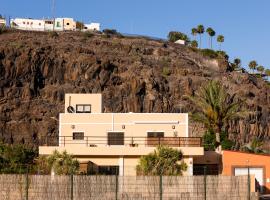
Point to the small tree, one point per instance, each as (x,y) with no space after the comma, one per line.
(267,72)
(253,65)
(220,40)
(200,30)
(194,43)
(61,163)
(173,36)
(79,25)
(260,69)
(163,161)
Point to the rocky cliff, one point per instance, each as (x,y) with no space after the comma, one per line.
(133,75)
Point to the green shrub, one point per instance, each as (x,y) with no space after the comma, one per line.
(110,31)
(53,34)
(166,71)
(88,34)
(209,53)
(174,36)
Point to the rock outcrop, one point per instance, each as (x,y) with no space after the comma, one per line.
(133,75)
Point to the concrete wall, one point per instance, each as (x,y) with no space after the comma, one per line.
(92,26)
(28,24)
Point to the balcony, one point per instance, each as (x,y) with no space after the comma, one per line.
(98,141)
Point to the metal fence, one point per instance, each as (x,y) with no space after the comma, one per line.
(81,187)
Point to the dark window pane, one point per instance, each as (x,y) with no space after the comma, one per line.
(78,135)
(115,138)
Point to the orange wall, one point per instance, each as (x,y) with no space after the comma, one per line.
(232,159)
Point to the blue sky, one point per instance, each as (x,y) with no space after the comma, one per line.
(244,23)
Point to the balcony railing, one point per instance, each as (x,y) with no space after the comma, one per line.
(96,141)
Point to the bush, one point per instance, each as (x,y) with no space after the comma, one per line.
(3,29)
(110,31)
(53,34)
(174,36)
(88,34)
(209,53)
(166,71)
(194,44)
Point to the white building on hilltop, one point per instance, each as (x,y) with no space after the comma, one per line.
(2,21)
(58,24)
(92,27)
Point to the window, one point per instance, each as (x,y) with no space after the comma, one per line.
(155,134)
(39,24)
(31,23)
(83,108)
(27,23)
(67,24)
(58,24)
(155,138)
(78,135)
(115,138)
(23,22)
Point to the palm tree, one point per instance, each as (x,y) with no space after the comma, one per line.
(214,107)
(260,69)
(220,39)
(252,65)
(200,30)
(211,34)
(236,63)
(194,32)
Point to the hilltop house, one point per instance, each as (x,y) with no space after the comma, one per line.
(112,143)
(58,24)
(92,26)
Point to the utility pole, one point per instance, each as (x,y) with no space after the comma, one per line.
(53,12)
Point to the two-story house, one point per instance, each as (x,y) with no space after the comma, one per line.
(112,143)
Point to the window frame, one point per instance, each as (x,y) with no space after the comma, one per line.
(83,105)
(78,132)
(114,143)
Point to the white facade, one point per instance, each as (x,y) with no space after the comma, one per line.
(92,27)
(27,24)
(58,24)
(183,42)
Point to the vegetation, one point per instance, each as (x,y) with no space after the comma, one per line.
(260,69)
(163,161)
(173,36)
(79,25)
(59,163)
(255,146)
(253,65)
(53,34)
(194,43)
(209,141)
(215,107)
(110,31)
(211,34)
(220,40)
(88,34)
(236,63)
(166,71)
(194,32)
(267,72)
(200,31)
(16,158)
(209,53)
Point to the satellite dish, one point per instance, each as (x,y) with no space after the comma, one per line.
(70,109)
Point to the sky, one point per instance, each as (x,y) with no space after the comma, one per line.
(244,23)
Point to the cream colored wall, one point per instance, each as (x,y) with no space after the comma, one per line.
(72,24)
(135,125)
(94,99)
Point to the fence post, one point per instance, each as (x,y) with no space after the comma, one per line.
(116,187)
(160,187)
(248,184)
(26,183)
(71,186)
(204,181)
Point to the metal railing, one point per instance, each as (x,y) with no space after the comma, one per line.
(95,141)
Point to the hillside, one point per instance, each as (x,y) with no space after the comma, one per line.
(133,75)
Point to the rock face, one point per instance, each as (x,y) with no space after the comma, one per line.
(133,75)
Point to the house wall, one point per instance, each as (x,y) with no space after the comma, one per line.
(233,159)
(92,26)
(73,99)
(69,24)
(2,22)
(28,24)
